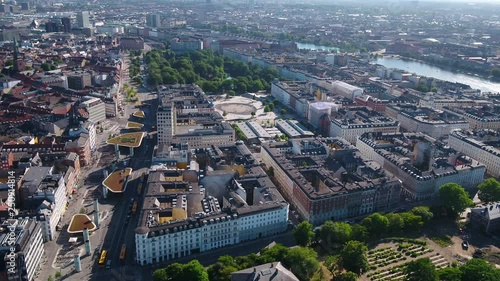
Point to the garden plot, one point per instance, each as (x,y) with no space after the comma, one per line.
(389,263)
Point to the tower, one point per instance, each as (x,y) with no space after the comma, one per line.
(153,20)
(83,19)
(66,24)
(16,56)
(167,122)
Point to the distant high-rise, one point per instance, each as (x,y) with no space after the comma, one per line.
(66,23)
(53,26)
(153,20)
(83,19)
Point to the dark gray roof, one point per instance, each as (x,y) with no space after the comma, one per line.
(264,272)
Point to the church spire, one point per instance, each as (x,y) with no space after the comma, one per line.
(16,56)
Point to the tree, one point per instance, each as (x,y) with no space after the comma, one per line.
(359,232)
(304,233)
(267,108)
(174,271)
(50,278)
(353,257)
(57,275)
(276,253)
(421,270)
(270,172)
(303,262)
(422,88)
(396,222)
(412,221)
(454,198)
(192,270)
(347,276)
(283,111)
(479,270)
(450,274)
(253,113)
(335,232)
(45,66)
(424,212)
(221,271)
(160,275)
(495,72)
(376,224)
(489,190)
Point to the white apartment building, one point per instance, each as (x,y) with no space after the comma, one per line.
(178,239)
(481,123)
(86,128)
(346,90)
(96,109)
(350,132)
(435,128)
(175,240)
(28,244)
(440,103)
(40,184)
(254,224)
(465,142)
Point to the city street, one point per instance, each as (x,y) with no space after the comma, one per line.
(117,223)
(59,254)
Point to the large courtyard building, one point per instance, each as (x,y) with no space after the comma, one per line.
(351,122)
(435,123)
(482,145)
(328,179)
(185,115)
(179,217)
(296,95)
(422,163)
(481,117)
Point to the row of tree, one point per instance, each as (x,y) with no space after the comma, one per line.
(375,226)
(303,262)
(472,270)
(214,73)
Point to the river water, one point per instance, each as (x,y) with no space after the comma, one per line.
(424,69)
(312,47)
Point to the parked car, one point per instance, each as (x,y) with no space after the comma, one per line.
(465,245)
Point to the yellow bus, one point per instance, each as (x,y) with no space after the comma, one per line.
(134,207)
(102,259)
(123,252)
(139,189)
